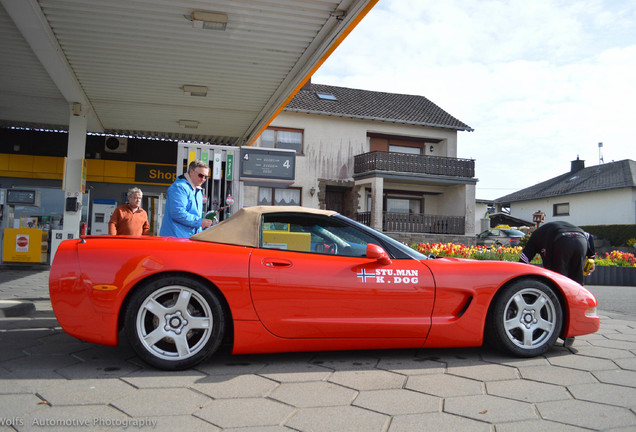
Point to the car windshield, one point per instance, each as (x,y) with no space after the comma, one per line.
(514,233)
(389,243)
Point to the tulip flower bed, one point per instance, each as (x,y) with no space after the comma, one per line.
(474,252)
(615,258)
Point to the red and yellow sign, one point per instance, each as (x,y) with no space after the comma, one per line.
(22,245)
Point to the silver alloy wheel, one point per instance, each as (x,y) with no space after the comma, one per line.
(530,318)
(174,322)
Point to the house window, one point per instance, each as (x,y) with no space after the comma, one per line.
(562,209)
(291,139)
(405,149)
(404,205)
(276,196)
(396,204)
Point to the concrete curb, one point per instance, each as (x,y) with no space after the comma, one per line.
(16,308)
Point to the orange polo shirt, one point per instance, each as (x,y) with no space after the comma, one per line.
(126,222)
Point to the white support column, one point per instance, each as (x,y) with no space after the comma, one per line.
(377,194)
(74,164)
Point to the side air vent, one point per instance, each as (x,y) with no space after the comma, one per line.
(465,308)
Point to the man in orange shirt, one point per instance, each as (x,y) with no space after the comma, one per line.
(130,218)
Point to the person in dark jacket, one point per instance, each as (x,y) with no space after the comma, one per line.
(563,247)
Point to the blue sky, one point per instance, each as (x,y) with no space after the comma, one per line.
(540,81)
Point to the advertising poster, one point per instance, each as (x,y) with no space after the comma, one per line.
(28,222)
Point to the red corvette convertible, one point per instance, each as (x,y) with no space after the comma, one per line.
(274,279)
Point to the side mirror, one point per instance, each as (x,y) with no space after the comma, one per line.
(377,253)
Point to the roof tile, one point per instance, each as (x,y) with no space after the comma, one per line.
(612,175)
(372,105)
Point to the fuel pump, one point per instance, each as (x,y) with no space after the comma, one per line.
(223,178)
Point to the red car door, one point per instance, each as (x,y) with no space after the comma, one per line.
(308,295)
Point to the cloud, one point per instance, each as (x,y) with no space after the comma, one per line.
(541,82)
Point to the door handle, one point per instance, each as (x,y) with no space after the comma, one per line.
(276,262)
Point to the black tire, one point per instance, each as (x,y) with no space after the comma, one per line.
(174,323)
(526,319)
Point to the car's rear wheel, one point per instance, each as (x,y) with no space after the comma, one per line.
(526,319)
(174,323)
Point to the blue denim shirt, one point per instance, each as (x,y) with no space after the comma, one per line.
(184,206)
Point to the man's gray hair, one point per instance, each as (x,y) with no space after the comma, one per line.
(134,190)
(198,163)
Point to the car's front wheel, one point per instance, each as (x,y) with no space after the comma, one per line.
(526,319)
(174,323)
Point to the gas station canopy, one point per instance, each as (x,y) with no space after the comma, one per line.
(209,70)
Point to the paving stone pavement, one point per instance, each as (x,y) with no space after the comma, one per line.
(51,381)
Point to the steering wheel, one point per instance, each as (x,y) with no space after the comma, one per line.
(331,248)
(326,248)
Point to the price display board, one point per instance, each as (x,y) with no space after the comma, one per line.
(21,197)
(268,164)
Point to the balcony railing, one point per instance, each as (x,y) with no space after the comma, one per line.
(410,163)
(416,223)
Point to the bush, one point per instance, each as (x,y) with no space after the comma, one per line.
(617,235)
(523,241)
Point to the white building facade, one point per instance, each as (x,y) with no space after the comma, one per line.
(597,195)
(401,177)
(608,207)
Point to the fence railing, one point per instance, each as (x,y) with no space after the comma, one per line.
(409,163)
(416,223)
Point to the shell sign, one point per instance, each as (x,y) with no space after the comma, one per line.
(22,243)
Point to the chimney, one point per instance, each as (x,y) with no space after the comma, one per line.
(307,85)
(577,165)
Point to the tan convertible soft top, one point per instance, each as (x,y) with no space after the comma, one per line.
(243,227)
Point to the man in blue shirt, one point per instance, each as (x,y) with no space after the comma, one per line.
(184,204)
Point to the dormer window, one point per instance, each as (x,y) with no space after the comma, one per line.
(326,96)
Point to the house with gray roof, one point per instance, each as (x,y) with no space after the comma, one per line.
(604,194)
(387,160)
